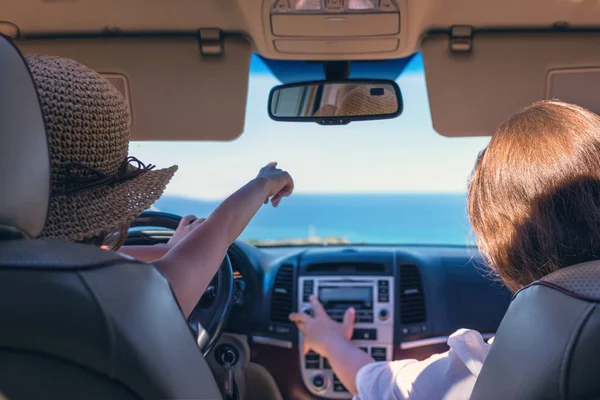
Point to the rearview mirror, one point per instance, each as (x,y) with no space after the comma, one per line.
(335,103)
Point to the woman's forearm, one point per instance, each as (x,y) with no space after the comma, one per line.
(346,360)
(145,253)
(191,263)
(237,210)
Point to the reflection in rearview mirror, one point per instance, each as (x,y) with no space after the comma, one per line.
(335,102)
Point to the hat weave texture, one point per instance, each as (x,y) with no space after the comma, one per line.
(88,127)
(359,101)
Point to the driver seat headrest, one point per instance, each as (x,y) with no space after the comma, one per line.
(24,157)
(547,345)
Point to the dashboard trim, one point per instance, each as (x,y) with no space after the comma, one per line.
(412,344)
(286,344)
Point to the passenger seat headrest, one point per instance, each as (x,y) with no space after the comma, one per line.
(24,157)
(581,281)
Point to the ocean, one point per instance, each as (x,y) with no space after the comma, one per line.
(359,218)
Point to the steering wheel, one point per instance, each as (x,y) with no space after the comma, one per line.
(207,321)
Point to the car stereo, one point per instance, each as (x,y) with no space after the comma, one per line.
(372,298)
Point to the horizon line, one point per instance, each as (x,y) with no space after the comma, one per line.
(189,197)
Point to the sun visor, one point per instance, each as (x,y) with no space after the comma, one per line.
(174,92)
(471,93)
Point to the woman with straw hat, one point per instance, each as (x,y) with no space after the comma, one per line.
(98,189)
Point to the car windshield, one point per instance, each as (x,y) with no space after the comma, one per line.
(391,181)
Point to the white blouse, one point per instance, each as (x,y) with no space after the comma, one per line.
(450,375)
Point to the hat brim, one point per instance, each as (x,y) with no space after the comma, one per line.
(104,210)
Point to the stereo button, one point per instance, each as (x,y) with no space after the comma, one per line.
(307,290)
(312,360)
(318,381)
(383,293)
(383,297)
(337,385)
(364,334)
(312,365)
(364,316)
(384,315)
(379,353)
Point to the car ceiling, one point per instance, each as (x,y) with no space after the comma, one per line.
(503,53)
(252,19)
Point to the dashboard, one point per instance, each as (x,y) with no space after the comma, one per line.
(408,300)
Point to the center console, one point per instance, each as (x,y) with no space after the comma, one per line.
(372,297)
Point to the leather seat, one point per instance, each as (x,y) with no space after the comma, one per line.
(548,344)
(76,322)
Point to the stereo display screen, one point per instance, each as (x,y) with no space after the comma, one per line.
(346,294)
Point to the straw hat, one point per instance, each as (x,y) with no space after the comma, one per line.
(96,188)
(327,110)
(359,101)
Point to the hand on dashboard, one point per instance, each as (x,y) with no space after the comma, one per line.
(279,183)
(320,331)
(186,225)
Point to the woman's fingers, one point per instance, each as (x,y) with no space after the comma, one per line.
(317,307)
(188,219)
(305,348)
(289,188)
(275,200)
(285,192)
(299,318)
(198,221)
(348,323)
(269,166)
(349,316)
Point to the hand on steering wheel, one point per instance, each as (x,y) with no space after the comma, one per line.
(185,226)
(207,321)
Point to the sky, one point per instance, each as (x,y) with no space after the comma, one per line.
(401,155)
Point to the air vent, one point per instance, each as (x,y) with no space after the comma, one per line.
(282,296)
(412,299)
(346,267)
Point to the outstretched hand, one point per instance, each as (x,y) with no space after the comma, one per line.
(199,246)
(320,331)
(279,183)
